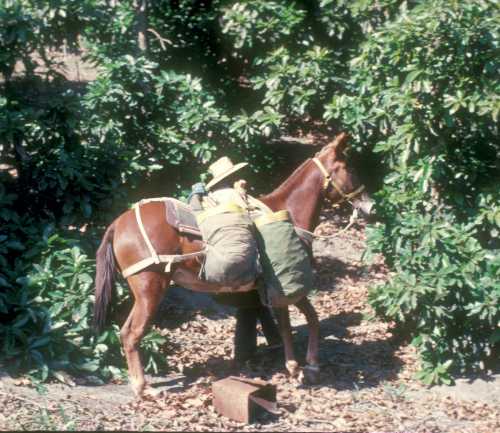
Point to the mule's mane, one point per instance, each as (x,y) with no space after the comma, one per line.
(290,180)
(287,183)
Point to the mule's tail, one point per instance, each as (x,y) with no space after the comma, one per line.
(105,278)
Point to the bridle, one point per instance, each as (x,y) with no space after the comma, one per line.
(328,180)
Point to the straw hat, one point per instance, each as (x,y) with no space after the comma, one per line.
(221,169)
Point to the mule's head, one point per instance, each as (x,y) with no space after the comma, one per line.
(341,183)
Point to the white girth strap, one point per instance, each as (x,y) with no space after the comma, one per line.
(154,256)
(169,259)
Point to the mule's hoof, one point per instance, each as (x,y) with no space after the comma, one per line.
(139,388)
(310,375)
(293,368)
(150,393)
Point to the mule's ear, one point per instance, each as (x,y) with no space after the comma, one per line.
(340,142)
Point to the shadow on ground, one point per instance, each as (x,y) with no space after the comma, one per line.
(329,271)
(345,365)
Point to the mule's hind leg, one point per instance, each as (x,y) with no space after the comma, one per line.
(285,328)
(311,370)
(148,289)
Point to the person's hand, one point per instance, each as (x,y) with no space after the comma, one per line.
(240,185)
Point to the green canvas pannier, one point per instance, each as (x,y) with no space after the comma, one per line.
(284,259)
(231,250)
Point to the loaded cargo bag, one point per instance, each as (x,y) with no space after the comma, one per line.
(231,249)
(286,264)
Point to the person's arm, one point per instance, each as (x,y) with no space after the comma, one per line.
(240,187)
(195,199)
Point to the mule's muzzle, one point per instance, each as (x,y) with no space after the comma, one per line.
(365,205)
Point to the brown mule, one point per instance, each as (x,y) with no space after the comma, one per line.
(302,194)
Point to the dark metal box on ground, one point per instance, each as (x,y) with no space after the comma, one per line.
(243,399)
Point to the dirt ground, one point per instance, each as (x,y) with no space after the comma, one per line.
(367,376)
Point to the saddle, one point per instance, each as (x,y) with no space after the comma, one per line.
(180,216)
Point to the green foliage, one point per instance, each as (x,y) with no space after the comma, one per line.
(46,327)
(413,81)
(295,53)
(343,18)
(295,85)
(31,27)
(188,29)
(17,37)
(423,94)
(150,119)
(260,22)
(69,186)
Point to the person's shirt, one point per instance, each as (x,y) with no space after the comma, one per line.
(227,195)
(254,207)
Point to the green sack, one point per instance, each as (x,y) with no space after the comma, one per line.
(284,259)
(231,257)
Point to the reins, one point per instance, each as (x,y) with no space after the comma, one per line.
(352,220)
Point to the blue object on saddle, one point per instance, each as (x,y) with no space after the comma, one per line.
(197,188)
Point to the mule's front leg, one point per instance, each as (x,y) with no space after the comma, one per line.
(311,370)
(286,334)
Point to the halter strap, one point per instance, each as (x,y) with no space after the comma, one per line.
(329,181)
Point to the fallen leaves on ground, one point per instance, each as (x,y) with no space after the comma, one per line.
(367,377)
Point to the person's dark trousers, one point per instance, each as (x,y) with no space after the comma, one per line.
(269,328)
(249,311)
(245,338)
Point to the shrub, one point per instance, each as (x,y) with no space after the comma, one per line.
(261,23)
(150,119)
(295,85)
(47,314)
(423,95)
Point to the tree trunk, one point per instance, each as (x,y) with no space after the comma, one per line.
(141,11)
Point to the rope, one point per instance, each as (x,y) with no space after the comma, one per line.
(352,220)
